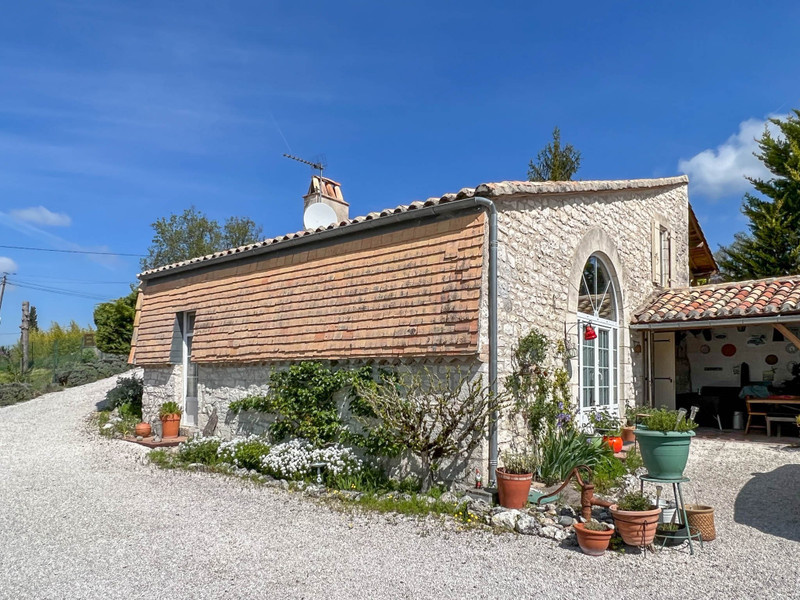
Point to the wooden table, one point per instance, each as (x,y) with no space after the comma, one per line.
(790,402)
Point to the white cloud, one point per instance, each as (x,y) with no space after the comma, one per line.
(7,265)
(714,173)
(39,215)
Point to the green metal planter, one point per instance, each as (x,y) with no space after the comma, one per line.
(664,453)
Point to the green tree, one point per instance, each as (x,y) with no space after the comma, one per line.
(554,162)
(192,234)
(114,322)
(771,247)
(33,319)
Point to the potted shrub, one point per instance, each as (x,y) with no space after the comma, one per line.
(636,519)
(609,427)
(593,537)
(664,443)
(170,414)
(514,479)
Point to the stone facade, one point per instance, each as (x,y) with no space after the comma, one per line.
(162,384)
(544,243)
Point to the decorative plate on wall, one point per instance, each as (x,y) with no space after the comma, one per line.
(771,359)
(791,348)
(705,349)
(728,350)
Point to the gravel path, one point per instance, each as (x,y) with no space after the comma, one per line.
(84,517)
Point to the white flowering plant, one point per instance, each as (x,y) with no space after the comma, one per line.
(293,460)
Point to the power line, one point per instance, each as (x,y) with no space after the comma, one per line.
(51,290)
(80,281)
(71,251)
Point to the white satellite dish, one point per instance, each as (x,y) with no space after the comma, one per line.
(318,215)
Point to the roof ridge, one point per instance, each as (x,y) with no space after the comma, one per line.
(494,190)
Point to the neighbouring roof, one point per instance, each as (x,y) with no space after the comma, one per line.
(489,190)
(701,258)
(758,298)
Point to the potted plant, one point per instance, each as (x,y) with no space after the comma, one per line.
(636,519)
(593,537)
(626,433)
(664,444)
(671,534)
(609,427)
(514,479)
(170,414)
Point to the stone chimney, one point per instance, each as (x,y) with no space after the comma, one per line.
(329,192)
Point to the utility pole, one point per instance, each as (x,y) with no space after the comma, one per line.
(2,291)
(24,327)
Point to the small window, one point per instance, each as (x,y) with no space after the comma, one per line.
(664,254)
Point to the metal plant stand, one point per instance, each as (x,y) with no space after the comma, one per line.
(679,506)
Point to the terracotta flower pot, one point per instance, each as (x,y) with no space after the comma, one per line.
(171,426)
(614,442)
(142,429)
(627,434)
(513,488)
(637,527)
(593,543)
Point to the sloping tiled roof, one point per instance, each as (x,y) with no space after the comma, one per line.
(758,298)
(489,190)
(701,259)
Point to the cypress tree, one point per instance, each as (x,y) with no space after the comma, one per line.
(771,247)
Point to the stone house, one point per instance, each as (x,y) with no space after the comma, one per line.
(419,284)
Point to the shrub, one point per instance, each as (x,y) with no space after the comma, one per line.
(82,373)
(11,393)
(199,450)
(435,416)
(245,453)
(302,398)
(293,460)
(128,390)
(635,501)
(608,473)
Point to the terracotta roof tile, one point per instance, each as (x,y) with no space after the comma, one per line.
(765,297)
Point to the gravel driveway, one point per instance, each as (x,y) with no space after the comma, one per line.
(85,517)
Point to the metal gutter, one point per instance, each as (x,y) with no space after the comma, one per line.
(493,443)
(722,322)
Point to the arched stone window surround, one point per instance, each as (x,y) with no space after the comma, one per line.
(597,243)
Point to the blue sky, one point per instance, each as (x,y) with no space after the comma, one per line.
(115,114)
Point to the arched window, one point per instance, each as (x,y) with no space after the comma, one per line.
(598,332)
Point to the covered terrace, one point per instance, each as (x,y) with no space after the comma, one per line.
(716,345)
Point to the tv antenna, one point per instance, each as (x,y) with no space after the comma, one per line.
(319,165)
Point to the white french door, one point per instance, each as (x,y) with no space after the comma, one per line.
(598,368)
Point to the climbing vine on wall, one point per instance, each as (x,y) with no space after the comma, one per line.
(303,399)
(539,385)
